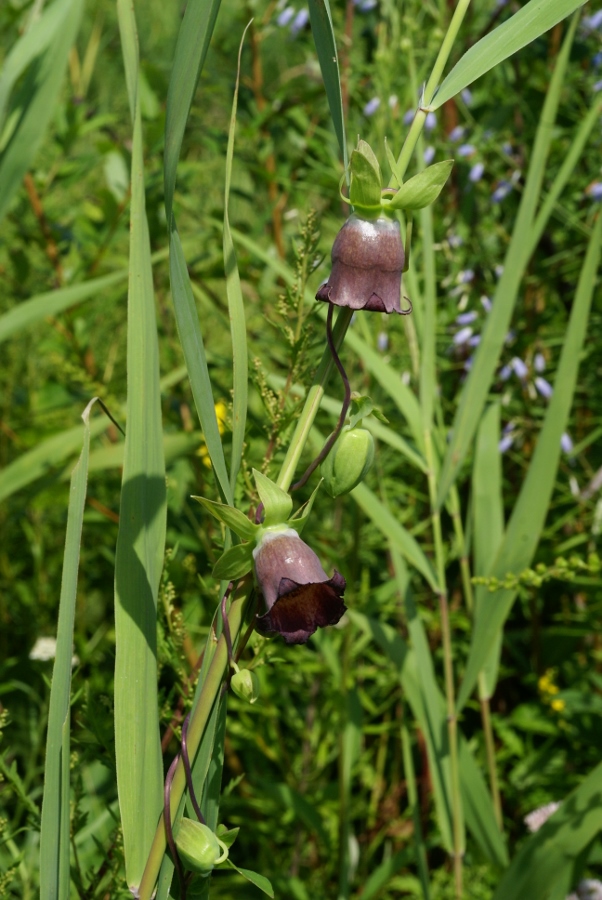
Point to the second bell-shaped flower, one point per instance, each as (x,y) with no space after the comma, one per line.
(299,596)
(367,263)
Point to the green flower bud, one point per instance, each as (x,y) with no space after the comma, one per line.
(199,848)
(245,685)
(349,461)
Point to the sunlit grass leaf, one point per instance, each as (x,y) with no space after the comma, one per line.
(480,377)
(37,95)
(142,522)
(55,841)
(236,307)
(529,514)
(532,20)
(326,48)
(547,860)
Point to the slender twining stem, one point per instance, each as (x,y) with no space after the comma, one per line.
(312,402)
(198,721)
(452,722)
(226,625)
(188,772)
(454,506)
(331,440)
(168,829)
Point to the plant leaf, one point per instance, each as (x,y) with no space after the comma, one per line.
(424,188)
(277,503)
(231,517)
(259,881)
(234,563)
(531,21)
(326,48)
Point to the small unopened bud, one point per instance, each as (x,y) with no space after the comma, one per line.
(349,461)
(245,685)
(198,847)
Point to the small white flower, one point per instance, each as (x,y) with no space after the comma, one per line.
(43,649)
(539,362)
(566,443)
(519,367)
(540,816)
(462,336)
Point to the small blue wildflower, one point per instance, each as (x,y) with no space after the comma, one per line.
(486,303)
(507,148)
(466,318)
(465,276)
(429,155)
(594,190)
(456,134)
(462,336)
(371,106)
(597,87)
(366,5)
(519,367)
(467,96)
(506,372)
(430,121)
(597,60)
(476,173)
(454,240)
(300,21)
(505,443)
(466,150)
(382,341)
(593,22)
(544,387)
(468,362)
(408,117)
(475,340)
(539,362)
(285,16)
(501,191)
(566,443)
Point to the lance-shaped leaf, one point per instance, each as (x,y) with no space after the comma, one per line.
(277,503)
(366,179)
(234,563)
(233,518)
(424,188)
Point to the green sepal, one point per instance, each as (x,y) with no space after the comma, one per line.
(366,178)
(198,847)
(393,164)
(422,189)
(302,515)
(277,503)
(361,407)
(234,563)
(259,881)
(245,685)
(227,835)
(233,518)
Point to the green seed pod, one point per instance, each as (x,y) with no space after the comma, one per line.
(349,461)
(245,685)
(198,847)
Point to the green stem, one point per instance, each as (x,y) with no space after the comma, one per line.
(452,722)
(408,765)
(198,721)
(312,403)
(429,91)
(454,507)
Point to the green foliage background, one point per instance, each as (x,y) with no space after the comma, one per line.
(335,703)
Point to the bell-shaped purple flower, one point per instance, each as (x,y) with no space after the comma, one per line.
(298,594)
(367,262)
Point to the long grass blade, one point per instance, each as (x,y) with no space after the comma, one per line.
(529,514)
(531,21)
(38,93)
(546,862)
(191,50)
(236,308)
(142,522)
(481,374)
(326,48)
(55,841)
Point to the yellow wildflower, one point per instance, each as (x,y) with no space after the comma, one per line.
(221,413)
(558,705)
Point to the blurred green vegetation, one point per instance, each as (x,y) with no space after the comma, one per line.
(69,222)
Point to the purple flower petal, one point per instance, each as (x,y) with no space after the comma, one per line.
(544,387)
(429,154)
(476,173)
(466,150)
(467,96)
(371,106)
(430,122)
(300,21)
(566,443)
(594,190)
(466,318)
(475,340)
(539,362)
(486,303)
(501,191)
(506,372)
(462,336)
(456,134)
(408,117)
(285,16)
(505,443)
(382,341)
(519,367)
